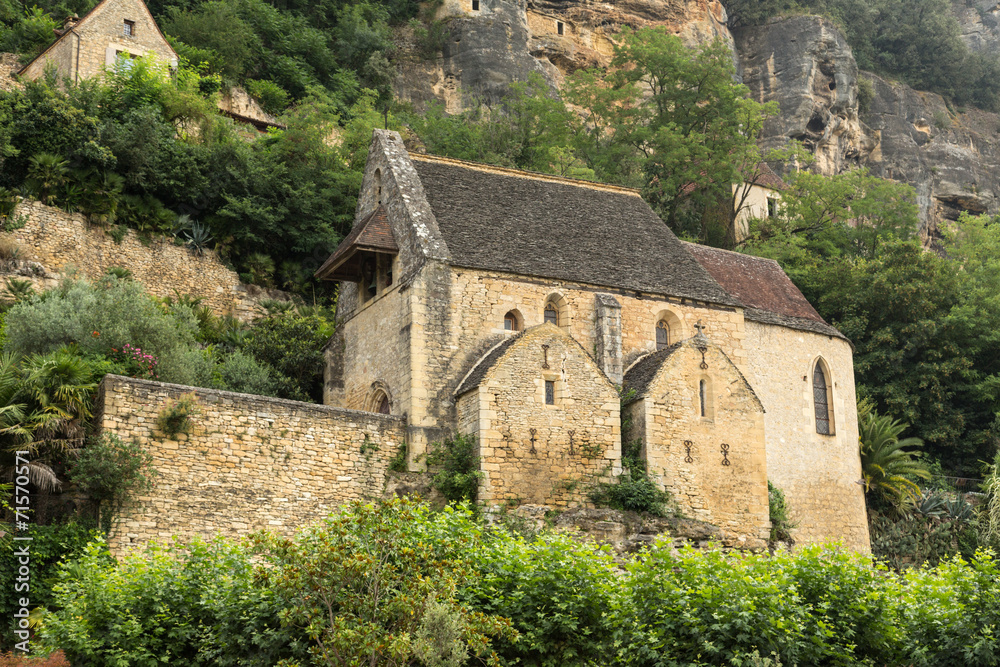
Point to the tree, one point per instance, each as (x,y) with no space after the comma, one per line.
(885,463)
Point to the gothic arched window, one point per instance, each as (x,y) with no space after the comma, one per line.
(821,401)
(512,321)
(662,335)
(551,314)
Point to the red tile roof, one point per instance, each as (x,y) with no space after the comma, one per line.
(757,282)
(373,234)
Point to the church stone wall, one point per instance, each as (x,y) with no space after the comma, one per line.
(734,496)
(576,441)
(249,462)
(817,473)
(66,243)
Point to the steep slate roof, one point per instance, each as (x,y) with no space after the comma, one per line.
(550,227)
(767,292)
(483,366)
(642,372)
(373,233)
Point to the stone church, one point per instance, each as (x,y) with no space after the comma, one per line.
(512,306)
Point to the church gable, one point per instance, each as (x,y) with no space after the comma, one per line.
(545,416)
(701,426)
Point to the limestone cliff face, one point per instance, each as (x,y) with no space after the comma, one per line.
(953,161)
(980,22)
(503,41)
(805,65)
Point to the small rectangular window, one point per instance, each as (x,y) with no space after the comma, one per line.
(129,28)
(772,207)
(559,27)
(550,392)
(475,5)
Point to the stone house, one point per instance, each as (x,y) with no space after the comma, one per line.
(757,198)
(508,305)
(111,31)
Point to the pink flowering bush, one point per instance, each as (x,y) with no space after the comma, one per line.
(136,363)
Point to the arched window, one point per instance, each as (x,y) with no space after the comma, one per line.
(551,314)
(378,399)
(821,401)
(706,408)
(702,398)
(378,186)
(512,321)
(662,335)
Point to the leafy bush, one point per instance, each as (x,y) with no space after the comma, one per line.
(634,490)
(712,607)
(112,473)
(291,345)
(458,461)
(51,546)
(561,596)
(913,539)
(242,373)
(174,417)
(103,318)
(374,583)
(781,522)
(196,604)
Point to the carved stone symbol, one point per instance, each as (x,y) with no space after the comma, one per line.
(571,434)
(687,447)
(545,349)
(700,327)
(703,364)
(534,432)
(725,455)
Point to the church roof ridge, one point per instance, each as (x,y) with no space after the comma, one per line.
(523,173)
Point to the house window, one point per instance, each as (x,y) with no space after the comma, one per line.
(662,335)
(387,270)
(821,401)
(559,27)
(703,397)
(772,207)
(550,392)
(129,28)
(475,5)
(511,322)
(551,314)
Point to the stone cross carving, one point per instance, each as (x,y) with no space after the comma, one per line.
(700,327)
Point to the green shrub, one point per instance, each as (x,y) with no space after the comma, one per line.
(270,95)
(913,539)
(242,373)
(174,417)
(196,604)
(634,490)
(50,546)
(781,522)
(458,461)
(292,345)
(112,473)
(105,316)
(561,596)
(371,584)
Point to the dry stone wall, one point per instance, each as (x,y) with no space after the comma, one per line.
(248,463)
(65,243)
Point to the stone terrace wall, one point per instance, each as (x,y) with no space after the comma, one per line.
(249,462)
(62,242)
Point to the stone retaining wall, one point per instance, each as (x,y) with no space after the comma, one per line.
(65,243)
(248,463)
